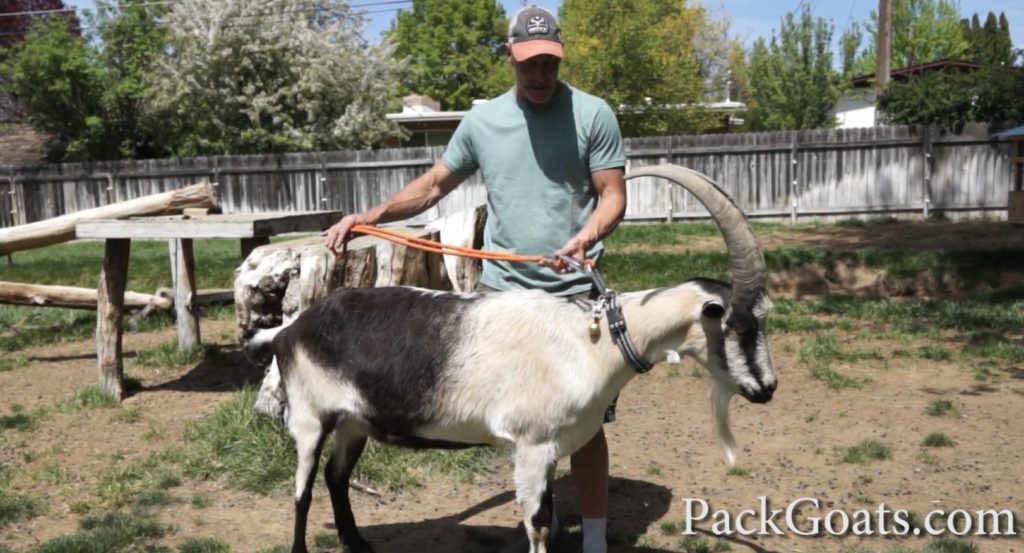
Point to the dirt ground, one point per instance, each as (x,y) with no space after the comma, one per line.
(663,451)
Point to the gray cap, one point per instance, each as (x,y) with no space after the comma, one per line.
(534,31)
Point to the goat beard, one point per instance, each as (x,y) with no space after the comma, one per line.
(720,396)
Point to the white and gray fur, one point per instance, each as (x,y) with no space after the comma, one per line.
(428,369)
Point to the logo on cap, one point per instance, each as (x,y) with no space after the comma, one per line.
(537,25)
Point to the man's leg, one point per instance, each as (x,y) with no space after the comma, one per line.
(590,475)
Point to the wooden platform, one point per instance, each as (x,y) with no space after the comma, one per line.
(236,225)
(252,229)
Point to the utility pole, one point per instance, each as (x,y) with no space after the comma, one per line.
(884,44)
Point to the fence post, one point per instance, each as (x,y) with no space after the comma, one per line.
(321,182)
(795,181)
(926,190)
(668,185)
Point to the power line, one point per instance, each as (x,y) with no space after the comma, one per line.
(166,2)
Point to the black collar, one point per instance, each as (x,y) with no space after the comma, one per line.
(613,312)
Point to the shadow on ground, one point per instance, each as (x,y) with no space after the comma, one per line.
(642,504)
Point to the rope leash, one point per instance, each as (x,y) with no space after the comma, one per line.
(607,301)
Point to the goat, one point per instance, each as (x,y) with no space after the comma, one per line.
(437,369)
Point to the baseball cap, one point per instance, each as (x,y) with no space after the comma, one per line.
(534,31)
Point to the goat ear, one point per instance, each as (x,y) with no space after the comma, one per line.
(712,309)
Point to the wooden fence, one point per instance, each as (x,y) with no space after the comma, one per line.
(788,174)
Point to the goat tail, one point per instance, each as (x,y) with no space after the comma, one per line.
(720,396)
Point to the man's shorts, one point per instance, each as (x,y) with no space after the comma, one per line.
(609,412)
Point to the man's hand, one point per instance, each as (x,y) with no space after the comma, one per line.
(577,247)
(337,235)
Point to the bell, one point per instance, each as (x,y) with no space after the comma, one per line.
(595,329)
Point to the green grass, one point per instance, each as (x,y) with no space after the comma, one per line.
(116,531)
(254,453)
(169,355)
(12,363)
(942,408)
(738,471)
(15,506)
(201,501)
(931,353)
(820,351)
(87,398)
(950,545)
(938,439)
(79,264)
(203,545)
(865,451)
(142,482)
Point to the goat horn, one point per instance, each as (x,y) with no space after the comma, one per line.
(746,261)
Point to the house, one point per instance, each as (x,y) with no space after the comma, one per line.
(427,125)
(857,107)
(425,122)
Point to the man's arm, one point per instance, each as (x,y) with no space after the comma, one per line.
(419,195)
(611,208)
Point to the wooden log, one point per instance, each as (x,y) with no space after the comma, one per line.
(465,229)
(19,293)
(62,229)
(110,315)
(279,281)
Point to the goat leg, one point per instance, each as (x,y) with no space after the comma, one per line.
(534,473)
(347,451)
(309,442)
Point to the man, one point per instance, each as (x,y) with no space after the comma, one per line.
(552,162)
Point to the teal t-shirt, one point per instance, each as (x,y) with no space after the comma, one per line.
(536,163)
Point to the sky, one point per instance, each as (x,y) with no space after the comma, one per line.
(750,18)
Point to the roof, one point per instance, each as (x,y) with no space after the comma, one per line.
(23,145)
(422,113)
(904,73)
(1016,132)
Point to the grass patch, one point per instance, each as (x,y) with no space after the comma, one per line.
(865,451)
(948,544)
(201,501)
(79,265)
(931,353)
(254,453)
(203,545)
(169,355)
(833,379)
(117,531)
(938,439)
(15,506)
(698,544)
(143,482)
(129,415)
(941,408)
(86,398)
(12,363)
(738,471)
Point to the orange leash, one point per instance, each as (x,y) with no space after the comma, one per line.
(446,249)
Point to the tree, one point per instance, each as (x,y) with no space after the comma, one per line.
(248,76)
(57,80)
(455,50)
(14,28)
(922,31)
(952,98)
(93,95)
(989,43)
(649,59)
(792,84)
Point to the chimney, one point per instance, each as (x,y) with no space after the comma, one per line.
(422,101)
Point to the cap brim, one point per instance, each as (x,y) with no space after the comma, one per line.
(525,50)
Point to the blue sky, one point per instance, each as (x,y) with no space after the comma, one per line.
(750,18)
